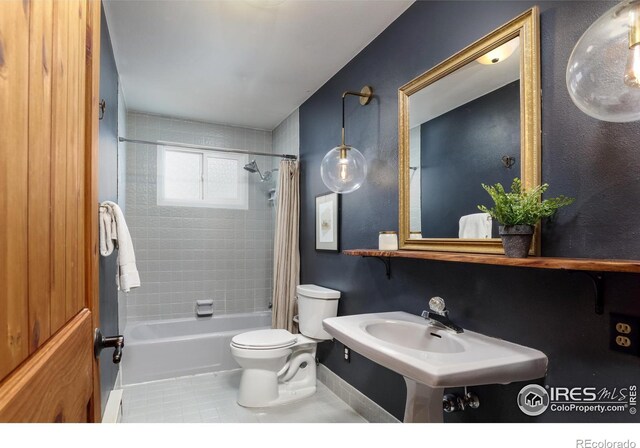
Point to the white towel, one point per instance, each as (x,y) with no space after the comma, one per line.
(114,233)
(476,226)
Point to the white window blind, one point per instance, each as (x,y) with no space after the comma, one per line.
(182,175)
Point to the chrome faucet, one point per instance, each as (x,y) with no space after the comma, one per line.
(439,315)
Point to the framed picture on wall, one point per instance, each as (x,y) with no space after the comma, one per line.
(328,222)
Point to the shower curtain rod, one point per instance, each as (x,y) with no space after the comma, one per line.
(208,148)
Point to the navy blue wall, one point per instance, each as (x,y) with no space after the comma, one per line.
(596,162)
(108,191)
(461,150)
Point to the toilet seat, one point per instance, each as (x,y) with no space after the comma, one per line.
(264,339)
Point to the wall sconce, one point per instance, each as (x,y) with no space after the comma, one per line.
(344,168)
(603,73)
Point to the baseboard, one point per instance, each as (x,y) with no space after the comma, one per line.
(113,409)
(360,403)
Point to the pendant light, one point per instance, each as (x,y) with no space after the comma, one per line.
(603,73)
(344,168)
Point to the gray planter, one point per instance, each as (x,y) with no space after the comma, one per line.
(516,240)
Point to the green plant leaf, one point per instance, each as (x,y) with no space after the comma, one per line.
(519,206)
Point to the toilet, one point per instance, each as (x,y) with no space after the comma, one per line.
(280,367)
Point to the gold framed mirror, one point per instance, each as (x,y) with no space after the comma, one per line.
(472,119)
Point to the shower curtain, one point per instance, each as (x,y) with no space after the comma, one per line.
(286,252)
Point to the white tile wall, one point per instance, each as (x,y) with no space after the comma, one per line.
(286,136)
(185,254)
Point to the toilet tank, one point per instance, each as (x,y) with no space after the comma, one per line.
(316,303)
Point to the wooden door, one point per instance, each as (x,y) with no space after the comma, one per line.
(49,68)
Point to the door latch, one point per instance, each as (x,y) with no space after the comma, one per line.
(100,342)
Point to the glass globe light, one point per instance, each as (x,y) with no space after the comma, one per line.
(603,73)
(343,169)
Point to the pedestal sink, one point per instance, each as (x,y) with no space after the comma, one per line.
(431,358)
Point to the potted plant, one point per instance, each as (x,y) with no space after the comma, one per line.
(518,212)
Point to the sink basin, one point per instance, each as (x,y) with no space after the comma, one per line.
(414,336)
(432,358)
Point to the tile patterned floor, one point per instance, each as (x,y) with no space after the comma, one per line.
(211,398)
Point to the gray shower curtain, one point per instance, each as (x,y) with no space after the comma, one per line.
(286,252)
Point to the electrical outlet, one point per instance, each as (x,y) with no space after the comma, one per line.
(623,328)
(623,341)
(624,333)
(347,354)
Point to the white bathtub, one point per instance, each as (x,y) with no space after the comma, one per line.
(161,349)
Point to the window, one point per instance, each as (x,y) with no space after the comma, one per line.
(194,178)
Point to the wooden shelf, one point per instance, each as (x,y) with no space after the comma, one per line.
(572,264)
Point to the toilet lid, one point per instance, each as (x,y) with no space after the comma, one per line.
(263,339)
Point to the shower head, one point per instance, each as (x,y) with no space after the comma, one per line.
(252,167)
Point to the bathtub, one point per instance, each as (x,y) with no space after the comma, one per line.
(161,349)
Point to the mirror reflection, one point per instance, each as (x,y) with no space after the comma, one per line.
(464,130)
